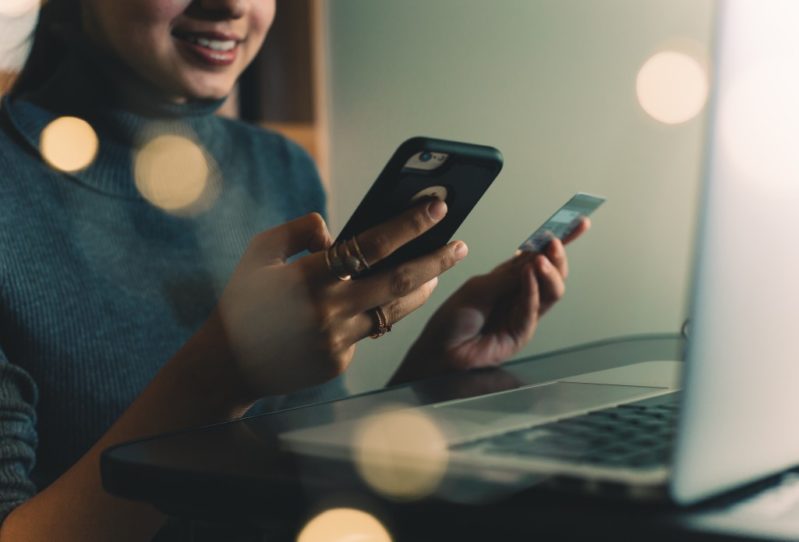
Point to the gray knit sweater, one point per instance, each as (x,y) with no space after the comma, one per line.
(98,287)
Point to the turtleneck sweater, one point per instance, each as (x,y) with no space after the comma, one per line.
(98,286)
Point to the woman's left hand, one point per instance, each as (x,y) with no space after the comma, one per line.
(491,317)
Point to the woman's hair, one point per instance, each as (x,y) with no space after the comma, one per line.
(48,48)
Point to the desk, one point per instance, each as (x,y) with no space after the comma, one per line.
(236,473)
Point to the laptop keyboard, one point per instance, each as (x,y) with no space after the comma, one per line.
(634,435)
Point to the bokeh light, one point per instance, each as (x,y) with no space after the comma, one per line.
(69,144)
(672,87)
(172,173)
(401,453)
(17,8)
(344,525)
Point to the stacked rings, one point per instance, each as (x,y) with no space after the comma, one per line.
(383,326)
(335,264)
(346,259)
(356,248)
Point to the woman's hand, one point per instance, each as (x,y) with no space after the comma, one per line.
(293,325)
(491,317)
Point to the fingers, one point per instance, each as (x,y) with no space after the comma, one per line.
(551,283)
(584,226)
(364,323)
(556,254)
(399,282)
(526,311)
(381,241)
(273,246)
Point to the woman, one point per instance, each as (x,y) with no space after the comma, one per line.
(121,320)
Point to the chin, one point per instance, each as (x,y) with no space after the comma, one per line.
(215,95)
(205,86)
(207,92)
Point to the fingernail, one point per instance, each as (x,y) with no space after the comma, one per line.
(460,250)
(437,209)
(433,282)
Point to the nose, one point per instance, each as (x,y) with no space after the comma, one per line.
(218,9)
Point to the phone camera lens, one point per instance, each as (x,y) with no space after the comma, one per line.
(425,156)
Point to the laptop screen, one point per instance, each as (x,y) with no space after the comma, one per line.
(741,388)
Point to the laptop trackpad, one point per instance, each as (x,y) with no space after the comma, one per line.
(523,407)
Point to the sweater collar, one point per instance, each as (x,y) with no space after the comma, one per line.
(124,111)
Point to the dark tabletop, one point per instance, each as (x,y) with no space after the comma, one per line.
(237,472)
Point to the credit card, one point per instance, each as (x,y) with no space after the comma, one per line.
(563,222)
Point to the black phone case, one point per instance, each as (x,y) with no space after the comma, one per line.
(466,174)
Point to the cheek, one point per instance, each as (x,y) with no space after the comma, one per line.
(151,23)
(160,10)
(145,22)
(120,14)
(261,18)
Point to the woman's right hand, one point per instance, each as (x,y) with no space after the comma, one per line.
(294,325)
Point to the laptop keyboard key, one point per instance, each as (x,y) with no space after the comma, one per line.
(637,435)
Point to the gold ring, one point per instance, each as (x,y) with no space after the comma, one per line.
(345,259)
(358,253)
(349,259)
(334,263)
(383,326)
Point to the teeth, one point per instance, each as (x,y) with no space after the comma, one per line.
(214,45)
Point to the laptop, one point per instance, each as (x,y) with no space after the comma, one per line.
(727,416)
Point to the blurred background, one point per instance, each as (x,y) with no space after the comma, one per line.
(606,97)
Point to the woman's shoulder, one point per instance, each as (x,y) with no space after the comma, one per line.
(16,157)
(273,166)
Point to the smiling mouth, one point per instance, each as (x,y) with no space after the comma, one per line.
(209,49)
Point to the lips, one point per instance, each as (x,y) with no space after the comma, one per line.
(209,49)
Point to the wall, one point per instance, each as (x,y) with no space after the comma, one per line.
(551,84)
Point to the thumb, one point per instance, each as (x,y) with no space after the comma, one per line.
(274,246)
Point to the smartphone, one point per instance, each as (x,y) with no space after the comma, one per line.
(422,167)
(563,222)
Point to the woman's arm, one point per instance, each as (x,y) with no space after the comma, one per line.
(278,327)
(196,387)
